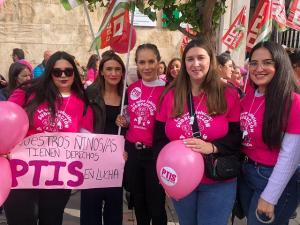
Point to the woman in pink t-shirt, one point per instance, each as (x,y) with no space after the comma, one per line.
(216,111)
(271,137)
(143,96)
(92,69)
(54,102)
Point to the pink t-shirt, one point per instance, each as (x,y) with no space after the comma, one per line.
(69,117)
(142,108)
(211,127)
(253,108)
(163,77)
(91,75)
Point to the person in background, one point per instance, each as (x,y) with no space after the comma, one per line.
(271,137)
(162,70)
(217,112)
(173,69)
(55,102)
(17,54)
(143,96)
(236,80)
(295,59)
(3,82)
(92,69)
(225,66)
(18,73)
(236,77)
(39,69)
(105,96)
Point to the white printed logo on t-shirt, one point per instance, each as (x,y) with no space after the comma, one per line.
(248,124)
(135,93)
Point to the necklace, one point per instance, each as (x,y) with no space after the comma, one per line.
(245,132)
(263,101)
(67,103)
(192,117)
(153,88)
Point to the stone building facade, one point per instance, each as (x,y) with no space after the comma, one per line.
(37,25)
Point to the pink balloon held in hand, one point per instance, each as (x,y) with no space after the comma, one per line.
(5,179)
(179,169)
(14,125)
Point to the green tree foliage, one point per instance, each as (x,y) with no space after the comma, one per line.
(203,15)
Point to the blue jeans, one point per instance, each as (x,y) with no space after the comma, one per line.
(298,182)
(252,184)
(208,204)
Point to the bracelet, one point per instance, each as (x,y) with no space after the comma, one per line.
(213,148)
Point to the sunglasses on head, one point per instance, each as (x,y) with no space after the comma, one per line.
(58,72)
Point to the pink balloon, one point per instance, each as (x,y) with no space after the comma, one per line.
(121,45)
(179,169)
(13,126)
(5,179)
(1,2)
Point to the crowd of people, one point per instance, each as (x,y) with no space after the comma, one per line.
(215,106)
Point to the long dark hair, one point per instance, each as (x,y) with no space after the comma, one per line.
(212,86)
(223,58)
(14,70)
(43,89)
(278,94)
(100,81)
(92,63)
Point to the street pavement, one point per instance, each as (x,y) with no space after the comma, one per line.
(72,213)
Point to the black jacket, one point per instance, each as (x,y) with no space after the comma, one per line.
(97,103)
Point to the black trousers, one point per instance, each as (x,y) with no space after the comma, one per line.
(148,194)
(36,206)
(92,202)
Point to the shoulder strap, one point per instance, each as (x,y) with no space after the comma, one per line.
(195,127)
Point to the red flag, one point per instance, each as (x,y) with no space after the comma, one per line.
(115,21)
(293,20)
(115,28)
(260,26)
(278,14)
(235,33)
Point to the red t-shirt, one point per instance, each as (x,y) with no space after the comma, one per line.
(253,108)
(69,116)
(142,108)
(211,127)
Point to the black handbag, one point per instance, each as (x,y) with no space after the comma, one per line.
(217,167)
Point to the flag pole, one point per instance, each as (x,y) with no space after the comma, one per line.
(127,60)
(90,24)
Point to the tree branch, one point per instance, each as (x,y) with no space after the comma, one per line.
(183,30)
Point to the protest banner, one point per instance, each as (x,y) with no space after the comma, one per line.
(68,161)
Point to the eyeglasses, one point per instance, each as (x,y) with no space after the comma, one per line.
(58,72)
(264,64)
